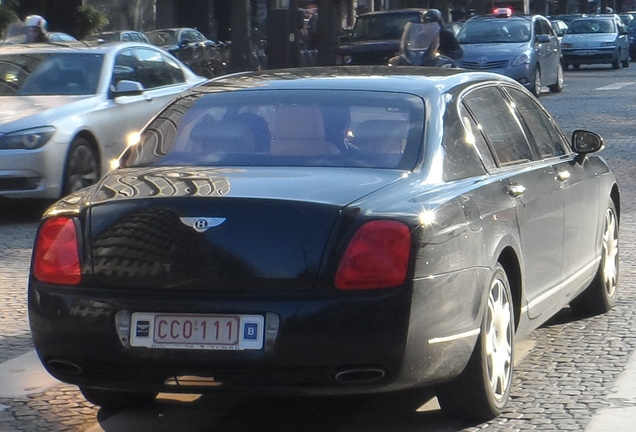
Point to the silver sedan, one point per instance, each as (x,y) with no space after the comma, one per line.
(66,111)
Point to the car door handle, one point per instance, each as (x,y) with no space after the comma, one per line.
(516,190)
(562,175)
(148,98)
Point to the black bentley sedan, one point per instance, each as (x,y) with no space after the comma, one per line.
(327,231)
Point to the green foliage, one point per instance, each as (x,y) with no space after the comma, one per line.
(7,16)
(88,20)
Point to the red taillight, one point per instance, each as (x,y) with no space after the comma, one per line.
(56,254)
(377,257)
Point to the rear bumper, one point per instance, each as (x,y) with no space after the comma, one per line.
(337,344)
(597,56)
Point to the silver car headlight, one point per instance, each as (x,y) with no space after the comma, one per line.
(27,139)
(522,58)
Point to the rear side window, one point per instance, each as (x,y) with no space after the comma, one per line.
(546,136)
(502,129)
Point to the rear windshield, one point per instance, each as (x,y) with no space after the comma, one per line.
(285,128)
(379,27)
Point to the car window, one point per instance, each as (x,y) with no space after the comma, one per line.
(462,158)
(545,135)
(126,37)
(147,66)
(500,125)
(271,128)
(584,26)
(49,74)
(494,31)
(475,137)
(543,27)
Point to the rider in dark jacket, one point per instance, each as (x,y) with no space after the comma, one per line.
(448,44)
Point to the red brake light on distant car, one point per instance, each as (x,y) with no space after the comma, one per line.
(377,257)
(56,255)
(502,12)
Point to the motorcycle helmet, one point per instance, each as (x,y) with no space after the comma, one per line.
(434,15)
(36,21)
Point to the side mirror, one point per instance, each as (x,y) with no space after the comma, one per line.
(127,88)
(584,142)
(543,38)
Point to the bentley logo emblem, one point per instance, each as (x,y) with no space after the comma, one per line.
(201,224)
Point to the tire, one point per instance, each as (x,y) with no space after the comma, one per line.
(482,390)
(617,64)
(535,89)
(82,166)
(600,296)
(625,63)
(115,399)
(557,87)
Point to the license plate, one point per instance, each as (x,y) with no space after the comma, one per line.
(586,53)
(203,332)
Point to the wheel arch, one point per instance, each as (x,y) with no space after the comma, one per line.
(509,259)
(615,196)
(92,140)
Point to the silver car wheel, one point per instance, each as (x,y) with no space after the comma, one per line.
(499,334)
(600,296)
(82,166)
(610,252)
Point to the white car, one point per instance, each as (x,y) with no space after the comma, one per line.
(67,111)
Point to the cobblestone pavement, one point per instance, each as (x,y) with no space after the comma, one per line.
(559,385)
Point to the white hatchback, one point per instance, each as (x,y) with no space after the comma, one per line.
(66,111)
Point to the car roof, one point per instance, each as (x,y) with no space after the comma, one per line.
(79,46)
(491,17)
(394,12)
(402,79)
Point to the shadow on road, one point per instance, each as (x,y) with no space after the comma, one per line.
(377,413)
(12,211)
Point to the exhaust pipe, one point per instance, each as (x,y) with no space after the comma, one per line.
(64,367)
(359,375)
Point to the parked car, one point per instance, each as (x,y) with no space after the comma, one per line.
(65,111)
(559,27)
(596,40)
(375,36)
(118,35)
(631,37)
(60,37)
(327,231)
(204,56)
(523,47)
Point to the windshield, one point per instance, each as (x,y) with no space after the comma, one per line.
(49,74)
(378,27)
(495,31)
(285,128)
(583,26)
(162,37)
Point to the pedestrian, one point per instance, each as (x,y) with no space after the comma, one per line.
(35,29)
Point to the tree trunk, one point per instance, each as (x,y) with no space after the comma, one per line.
(329,28)
(240,50)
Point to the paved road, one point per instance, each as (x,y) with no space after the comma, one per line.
(573,373)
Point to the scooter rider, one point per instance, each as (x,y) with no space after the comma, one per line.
(35,29)
(448,45)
